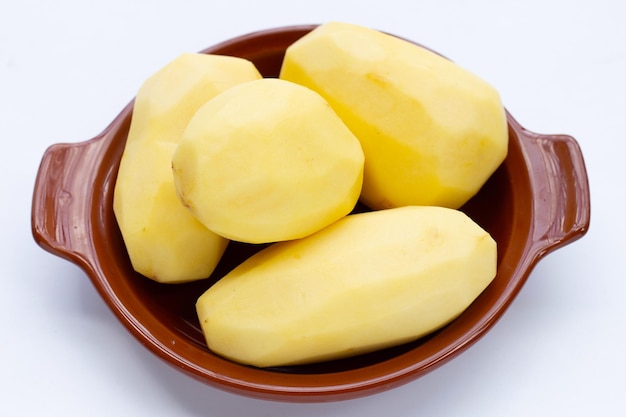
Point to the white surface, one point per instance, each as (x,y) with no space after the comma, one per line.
(68,67)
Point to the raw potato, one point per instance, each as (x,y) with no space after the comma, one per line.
(268,161)
(432,132)
(164,241)
(368,281)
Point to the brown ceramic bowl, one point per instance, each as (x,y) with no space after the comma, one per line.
(537,201)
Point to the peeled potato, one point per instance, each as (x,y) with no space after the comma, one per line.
(163,240)
(267,161)
(432,132)
(366,282)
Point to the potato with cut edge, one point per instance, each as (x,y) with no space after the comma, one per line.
(368,281)
(432,132)
(163,240)
(267,161)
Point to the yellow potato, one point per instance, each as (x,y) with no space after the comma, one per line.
(432,132)
(266,161)
(367,282)
(164,241)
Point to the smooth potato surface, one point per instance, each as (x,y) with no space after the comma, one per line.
(368,281)
(432,132)
(267,161)
(163,240)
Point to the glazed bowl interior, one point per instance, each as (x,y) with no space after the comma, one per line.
(163,316)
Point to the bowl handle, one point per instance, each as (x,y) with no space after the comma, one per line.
(561,200)
(61,208)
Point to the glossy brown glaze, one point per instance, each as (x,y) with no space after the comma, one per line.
(537,201)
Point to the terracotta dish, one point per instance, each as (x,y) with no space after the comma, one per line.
(536,202)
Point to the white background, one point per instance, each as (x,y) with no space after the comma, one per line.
(68,67)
